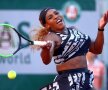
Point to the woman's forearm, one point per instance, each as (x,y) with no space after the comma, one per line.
(98,44)
(45,55)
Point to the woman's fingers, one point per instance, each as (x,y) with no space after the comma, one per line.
(48,45)
(106,17)
(103,21)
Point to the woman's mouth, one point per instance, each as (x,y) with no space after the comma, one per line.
(59,21)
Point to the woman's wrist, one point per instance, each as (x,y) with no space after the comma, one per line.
(99,29)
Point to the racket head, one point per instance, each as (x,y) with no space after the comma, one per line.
(9,40)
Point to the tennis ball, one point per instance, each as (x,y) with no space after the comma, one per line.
(11,74)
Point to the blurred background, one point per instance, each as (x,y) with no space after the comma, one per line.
(32,74)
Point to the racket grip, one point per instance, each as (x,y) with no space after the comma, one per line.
(40,43)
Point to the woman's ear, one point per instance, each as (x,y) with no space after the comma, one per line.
(47,26)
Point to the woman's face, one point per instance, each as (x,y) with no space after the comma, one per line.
(54,20)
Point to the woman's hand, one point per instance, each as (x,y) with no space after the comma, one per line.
(48,45)
(103,21)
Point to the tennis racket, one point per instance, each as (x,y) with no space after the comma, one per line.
(11,40)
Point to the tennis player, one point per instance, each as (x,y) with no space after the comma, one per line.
(68,46)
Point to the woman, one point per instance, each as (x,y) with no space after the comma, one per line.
(68,47)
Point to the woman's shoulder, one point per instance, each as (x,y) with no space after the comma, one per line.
(51,36)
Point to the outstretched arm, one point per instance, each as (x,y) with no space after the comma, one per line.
(97,46)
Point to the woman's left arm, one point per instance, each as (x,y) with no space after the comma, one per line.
(97,46)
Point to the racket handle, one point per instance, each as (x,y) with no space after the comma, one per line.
(40,43)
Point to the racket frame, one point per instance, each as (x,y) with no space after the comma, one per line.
(19,36)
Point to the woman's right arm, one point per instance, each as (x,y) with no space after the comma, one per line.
(47,52)
(54,41)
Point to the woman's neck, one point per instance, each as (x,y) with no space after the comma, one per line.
(63,31)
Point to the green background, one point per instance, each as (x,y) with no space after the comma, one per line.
(39,4)
(25,82)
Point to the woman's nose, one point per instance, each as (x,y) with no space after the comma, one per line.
(55,16)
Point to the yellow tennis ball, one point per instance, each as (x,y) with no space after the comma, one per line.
(11,74)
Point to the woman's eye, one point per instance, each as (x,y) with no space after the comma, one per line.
(49,17)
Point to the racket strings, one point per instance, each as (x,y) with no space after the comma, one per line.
(8,40)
